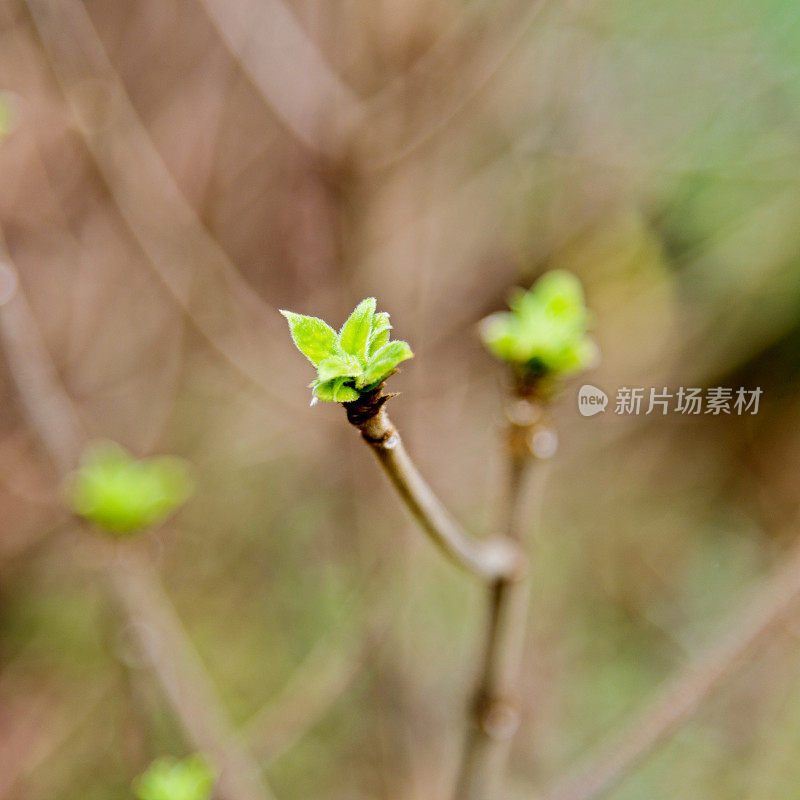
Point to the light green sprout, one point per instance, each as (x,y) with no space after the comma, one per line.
(171,779)
(544,334)
(354,361)
(122,495)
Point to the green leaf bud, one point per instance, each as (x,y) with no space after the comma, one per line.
(121,495)
(355,361)
(170,779)
(544,334)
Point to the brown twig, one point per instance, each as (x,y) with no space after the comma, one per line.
(178,248)
(152,618)
(488,560)
(679,699)
(323,676)
(181,673)
(292,75)
(66,724)
(495,709)
(308,696)
(499,562)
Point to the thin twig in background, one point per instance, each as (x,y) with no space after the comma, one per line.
(462,101)
(54,417)
(172,655)
(495,712)
(59,731)
(309,694)
(76,250)
(678,700)
(288,70)
(225,310)
(181,673)
(324,675)
(24,723)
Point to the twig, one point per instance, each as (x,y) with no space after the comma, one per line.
(321,678)
(288,69)
(59,731)
(181,673)
(495,710)
(172,654)
(178,248)
(54,417)
(461,101)
(319,682)
(679,699)
(499,562)
(488,560)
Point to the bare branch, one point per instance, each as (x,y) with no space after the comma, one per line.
(488,560)
(228,314)
(54,417)
(322,678)
(485,71)
(149,611)
(180,671)
(288,69)
(678,700)
(60,729)
(495,711)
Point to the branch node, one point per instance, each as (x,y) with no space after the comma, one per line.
(361,411)
(507,557)
(497,717)
(498,559)
(542,442)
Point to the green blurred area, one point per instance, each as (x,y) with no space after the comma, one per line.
(653,149)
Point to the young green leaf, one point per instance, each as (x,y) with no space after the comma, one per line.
(355,332)
(384,362)
(561,293)
(334,390)
(498,334)
(344,366)
(379,335)
(315,339)
(343,393)
(170,779)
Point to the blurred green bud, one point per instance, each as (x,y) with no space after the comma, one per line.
(121,495)
(6,114)
(171,779)
(355,360)
(544,334)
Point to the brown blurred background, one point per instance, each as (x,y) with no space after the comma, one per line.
(175,171)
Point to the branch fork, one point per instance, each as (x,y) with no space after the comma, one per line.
(490,559)
(500,562)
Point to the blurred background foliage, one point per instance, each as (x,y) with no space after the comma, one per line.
(172,176)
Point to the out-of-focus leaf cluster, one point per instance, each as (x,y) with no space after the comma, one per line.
(544,334)
(354,361)
(121,495)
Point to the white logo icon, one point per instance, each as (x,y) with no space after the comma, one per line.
(591,400)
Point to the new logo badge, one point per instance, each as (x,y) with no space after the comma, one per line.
(591,400)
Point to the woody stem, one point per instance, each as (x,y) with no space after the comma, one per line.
(495,711)
(489,560)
